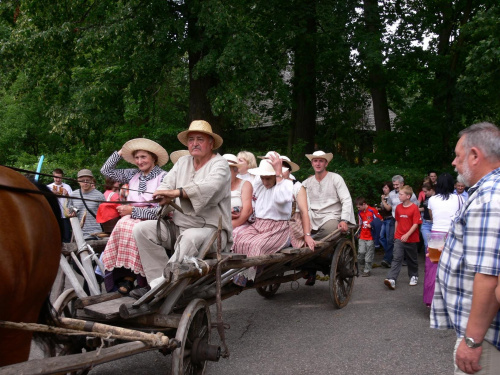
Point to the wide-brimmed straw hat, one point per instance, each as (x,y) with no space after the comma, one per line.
(176,155)
(265,169)
(320,155)
(295,167)
(201,127)
(144,144)
(232,160)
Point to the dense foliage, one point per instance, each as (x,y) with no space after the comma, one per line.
(79,78)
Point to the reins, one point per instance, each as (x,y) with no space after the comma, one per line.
(50,194)
(63,178)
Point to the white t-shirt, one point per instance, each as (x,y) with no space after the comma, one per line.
(63,200)
(443,211)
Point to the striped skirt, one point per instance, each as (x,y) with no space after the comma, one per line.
(296,231)
(121,249)
(262,237)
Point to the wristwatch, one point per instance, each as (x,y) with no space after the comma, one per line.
(307,234)
(469,341)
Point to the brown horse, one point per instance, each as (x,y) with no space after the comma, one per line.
(30,248)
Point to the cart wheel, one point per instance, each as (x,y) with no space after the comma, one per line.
(194,334)
(65,306)
(342,272)
(269,291)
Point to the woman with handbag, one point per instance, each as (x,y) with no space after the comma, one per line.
(121,256)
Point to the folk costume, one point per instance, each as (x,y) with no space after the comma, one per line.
(209,192)
(121,254)
(270,232)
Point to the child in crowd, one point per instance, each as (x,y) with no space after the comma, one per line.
(406,238)
(366,248)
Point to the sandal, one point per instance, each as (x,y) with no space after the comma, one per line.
(125,286)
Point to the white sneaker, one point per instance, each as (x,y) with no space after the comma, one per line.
(390,283)
(413,280)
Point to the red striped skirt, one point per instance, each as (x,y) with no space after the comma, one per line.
(265,236)
(121,249)
(296,231)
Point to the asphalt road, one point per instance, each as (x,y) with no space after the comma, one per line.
(300,332)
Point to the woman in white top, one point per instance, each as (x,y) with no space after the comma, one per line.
(246,161)
(300,225)
(443,206)
(273,204)
(241,196)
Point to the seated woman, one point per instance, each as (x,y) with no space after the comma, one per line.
(300,225)
(121,255)
(273,205)
(241,196)
(246,161)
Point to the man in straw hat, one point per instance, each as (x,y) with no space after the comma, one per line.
(200,183)
(330,203)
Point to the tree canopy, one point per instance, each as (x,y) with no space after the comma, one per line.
(80,78)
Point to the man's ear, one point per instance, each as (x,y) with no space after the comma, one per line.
(475,155)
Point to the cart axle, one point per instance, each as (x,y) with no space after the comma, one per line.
(203,351)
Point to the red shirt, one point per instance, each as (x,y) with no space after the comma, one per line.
(406,217)
(366,217)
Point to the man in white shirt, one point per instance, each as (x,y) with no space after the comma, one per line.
(200,183)
(63,190)
(329,200)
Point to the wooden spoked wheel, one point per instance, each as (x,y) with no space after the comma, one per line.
(193,332)
(342,272)
(65,307)
(270,290)
(64,304)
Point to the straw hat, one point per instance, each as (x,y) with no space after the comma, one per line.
(176,155)
(265,169)
(320,155)
(295,167)
(232,160)
(145,145)
(268,155)
(201,127)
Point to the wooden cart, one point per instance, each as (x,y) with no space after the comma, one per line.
(178,309)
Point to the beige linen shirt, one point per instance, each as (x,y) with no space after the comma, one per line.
(209,191)
(328,199)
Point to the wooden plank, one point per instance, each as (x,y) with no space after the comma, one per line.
(226,255)
(75,362)
(158,320)
(173,297)
(80,303)
(70,274)
(107,310)
(290,250)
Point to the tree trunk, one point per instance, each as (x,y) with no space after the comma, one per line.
(303,117)
(200,107)
(374,61)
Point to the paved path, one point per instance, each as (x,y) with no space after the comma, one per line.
(299,332)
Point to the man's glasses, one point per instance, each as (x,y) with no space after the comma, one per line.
(85,181)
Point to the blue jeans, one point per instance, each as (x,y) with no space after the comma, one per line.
(388,242)
(425,229)
(383,233)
